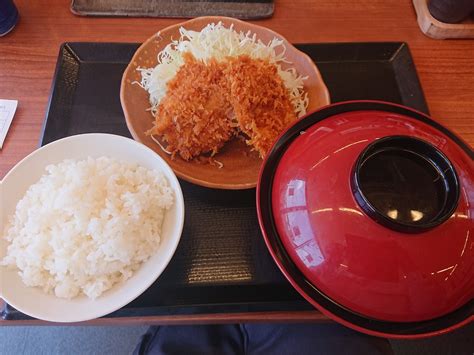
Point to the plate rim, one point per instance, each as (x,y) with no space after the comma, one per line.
(210,19)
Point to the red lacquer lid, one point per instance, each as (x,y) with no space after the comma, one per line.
(368,209)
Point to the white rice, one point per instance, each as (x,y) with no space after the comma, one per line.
(87,225)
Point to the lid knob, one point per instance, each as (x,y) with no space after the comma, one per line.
(405,184)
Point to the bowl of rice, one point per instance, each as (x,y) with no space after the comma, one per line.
(88,223)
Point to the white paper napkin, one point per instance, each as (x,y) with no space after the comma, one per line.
(7,111)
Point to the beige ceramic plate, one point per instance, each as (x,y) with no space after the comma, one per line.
(241,165)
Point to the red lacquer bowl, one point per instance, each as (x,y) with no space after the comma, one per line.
(367,208)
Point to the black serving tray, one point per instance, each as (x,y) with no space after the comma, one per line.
(221,264)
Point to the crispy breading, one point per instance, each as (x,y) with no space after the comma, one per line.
(260,100)
(195,116)
(208,103)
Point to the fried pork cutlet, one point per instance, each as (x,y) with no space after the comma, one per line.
(260,100)
(195,116)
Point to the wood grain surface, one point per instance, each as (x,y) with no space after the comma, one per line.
(28,58)
(28,54)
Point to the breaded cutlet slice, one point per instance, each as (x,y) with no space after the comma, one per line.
(195,116)
(260,100)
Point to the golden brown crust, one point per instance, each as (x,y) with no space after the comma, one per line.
(208,103)
(195,115)
(260,100)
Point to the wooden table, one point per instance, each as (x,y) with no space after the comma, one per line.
(28,58)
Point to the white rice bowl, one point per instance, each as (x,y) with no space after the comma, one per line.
(86,275)
(87,225)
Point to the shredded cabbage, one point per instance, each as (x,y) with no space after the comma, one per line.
(219,42)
